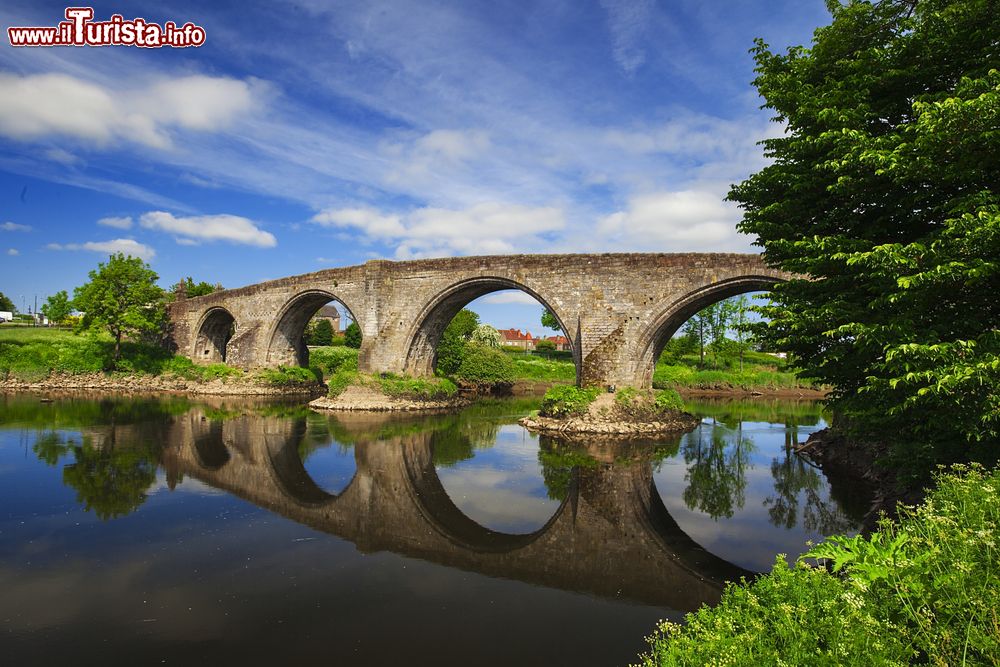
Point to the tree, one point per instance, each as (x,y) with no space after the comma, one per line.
(122,298)
(323,334)
(546,347)
(57,307)
(190,289)
(486,336)
(452,346)
(6,304)
(352,335)
(884,191)
(549,321)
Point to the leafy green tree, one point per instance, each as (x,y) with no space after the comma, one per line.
(452,346)
(884,191)
(190,289)
(6,304)
(486,336)
(57,307)
(323,334)
(111,481)
(352,335)
(549,321)
(546,347)
(486,366)
(121,298)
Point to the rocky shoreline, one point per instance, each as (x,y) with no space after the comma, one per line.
(602,418)
(128,383)
(365,399)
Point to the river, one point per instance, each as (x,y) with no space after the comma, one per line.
(172,531)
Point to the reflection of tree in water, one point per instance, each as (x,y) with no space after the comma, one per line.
(793,476)
(717,459)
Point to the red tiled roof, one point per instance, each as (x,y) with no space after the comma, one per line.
(558,340)
(515,334)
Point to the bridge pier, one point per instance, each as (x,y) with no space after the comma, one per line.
(618,310)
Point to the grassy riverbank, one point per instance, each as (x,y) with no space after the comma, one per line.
(34,354)
(919,591)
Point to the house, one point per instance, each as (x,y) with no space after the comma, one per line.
(561,343)
(517,338)
(329,313)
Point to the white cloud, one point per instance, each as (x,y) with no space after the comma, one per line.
(13,252)
(223,227)
(628,21)
(61,156)
(490,228)
(126,246)
(118,223)
(686,220)
(39,106)
(14,227)
(510,296)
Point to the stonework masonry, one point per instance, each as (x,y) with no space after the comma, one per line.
(618,310)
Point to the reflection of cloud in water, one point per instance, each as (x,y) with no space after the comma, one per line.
(502,487)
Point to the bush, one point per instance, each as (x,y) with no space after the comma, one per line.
(560,402)
(284,376)
(426,389)
(647,404)
(920,591)
(352,335)
(332,360)
(485,366)
(339,381)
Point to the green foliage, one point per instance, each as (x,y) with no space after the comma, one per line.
(57,307)
(122,298)
(920,591)
(452,346)
(485,366)
(883,189)
(323,334)
(427,389)
(190,289)
(486,336)
(331,360)
(6,304)
(566,401)
(549,321)
(531,367)
(285,376)
(352,336)
(647,405)
(340,380)
(110,481)
(545,346)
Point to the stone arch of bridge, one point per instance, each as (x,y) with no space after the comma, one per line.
(289,472)
(429,325)
(653,339)
(285,346)
(215,329)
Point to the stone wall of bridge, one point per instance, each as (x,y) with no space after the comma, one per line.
(617,310)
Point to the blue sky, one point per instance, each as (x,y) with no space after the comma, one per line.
(305,135)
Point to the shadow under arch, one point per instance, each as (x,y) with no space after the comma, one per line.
(209,449)
(285,345)
(665,325)
(215,329)
(439,510)
(429,326)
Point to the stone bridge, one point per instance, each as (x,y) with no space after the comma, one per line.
(618,310)
(612,535)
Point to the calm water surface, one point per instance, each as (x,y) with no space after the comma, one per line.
(140,531)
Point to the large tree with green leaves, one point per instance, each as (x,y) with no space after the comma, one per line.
(884,191)
(57,307)
(122,298)
(6,304)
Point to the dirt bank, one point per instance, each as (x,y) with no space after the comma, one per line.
(360,398)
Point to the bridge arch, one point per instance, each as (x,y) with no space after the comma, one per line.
(429,325)
(654,337)
(285,346)
(215,328)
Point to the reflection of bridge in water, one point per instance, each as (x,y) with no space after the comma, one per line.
(611,536)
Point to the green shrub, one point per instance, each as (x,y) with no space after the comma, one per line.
(426,389)
(566,401)
(285,376)
(920,591)
(647,404)
(485,366)
(332,360)
(339,381)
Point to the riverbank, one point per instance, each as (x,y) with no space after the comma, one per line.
(361,398)
(628,412)
(242,385)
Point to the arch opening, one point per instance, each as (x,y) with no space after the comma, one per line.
(216,330)
(677,314)
(300,322)
(510,308)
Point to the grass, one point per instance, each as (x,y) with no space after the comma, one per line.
(566,401)
(760,371)
(647,405)
(922,590)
